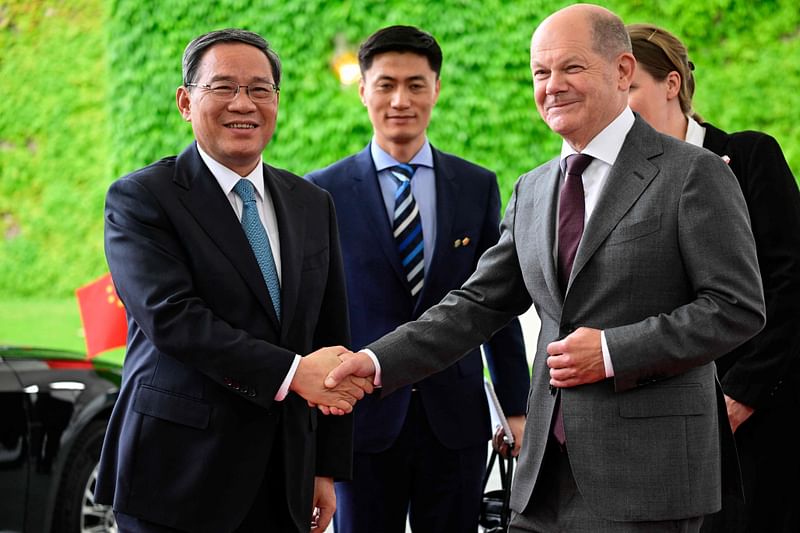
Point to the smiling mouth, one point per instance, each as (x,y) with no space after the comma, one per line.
(558,105)
(240,126)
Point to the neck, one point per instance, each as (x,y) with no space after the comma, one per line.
(677,125)
(244,170)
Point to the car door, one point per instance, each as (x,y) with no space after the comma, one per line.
(14,466)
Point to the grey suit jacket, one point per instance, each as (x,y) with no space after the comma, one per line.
(667,268)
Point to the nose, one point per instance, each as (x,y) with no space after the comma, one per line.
(400,98)
(556,83)
(241,102)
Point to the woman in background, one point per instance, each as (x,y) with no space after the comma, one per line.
(761,378)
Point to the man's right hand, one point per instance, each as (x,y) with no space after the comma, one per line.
(356,364)
(314,368)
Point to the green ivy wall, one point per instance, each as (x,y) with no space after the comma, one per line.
(88,94)
(55,156)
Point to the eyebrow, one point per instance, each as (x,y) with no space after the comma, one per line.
(416,77)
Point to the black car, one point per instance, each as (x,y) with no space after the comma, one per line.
(54,407)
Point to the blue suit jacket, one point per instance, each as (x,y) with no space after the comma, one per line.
(467,205)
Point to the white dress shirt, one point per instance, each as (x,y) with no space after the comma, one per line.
(227,179)
(695,133)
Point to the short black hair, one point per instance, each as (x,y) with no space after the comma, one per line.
(197,48)
(400,39)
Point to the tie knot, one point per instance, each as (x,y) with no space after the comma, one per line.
(245,190)
(403,171)
(577,163)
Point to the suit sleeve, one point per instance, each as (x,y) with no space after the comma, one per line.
(726,305)
(335,433)
(150,265)
(760,365)
(505,351)
(467,317)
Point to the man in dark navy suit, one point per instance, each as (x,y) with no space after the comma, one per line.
(413,222)
(230,270)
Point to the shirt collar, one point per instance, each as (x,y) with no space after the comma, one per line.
(227,178)
(607,144)
(383,160)
(695,133)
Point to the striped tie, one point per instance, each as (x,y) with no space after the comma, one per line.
(257,236)
(408,228)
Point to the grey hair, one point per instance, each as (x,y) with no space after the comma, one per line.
(195,50)
(609,36)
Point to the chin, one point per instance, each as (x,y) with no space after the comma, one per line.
(560,127)
(402,136)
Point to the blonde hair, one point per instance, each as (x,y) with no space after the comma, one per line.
(659,52)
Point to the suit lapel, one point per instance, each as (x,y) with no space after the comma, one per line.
(207,204)
(368,191)
(290,213)
(628,178)
(544,211)
(447,189)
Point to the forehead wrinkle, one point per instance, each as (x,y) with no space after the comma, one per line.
(231,77)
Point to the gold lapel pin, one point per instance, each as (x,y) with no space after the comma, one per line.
(461,242)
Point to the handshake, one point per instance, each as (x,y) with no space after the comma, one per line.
(333,379)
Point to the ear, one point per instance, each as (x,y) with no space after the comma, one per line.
(626,65)
(436,89)
(184,101)
(361,89)
(673,83)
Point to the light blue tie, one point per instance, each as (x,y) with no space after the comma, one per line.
(258,241)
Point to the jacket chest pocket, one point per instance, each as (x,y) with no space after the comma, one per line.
(636,230)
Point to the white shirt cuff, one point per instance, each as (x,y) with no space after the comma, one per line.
(284,390)
(377,381)
(606,356)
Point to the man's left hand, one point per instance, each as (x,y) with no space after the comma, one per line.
(517,426)
(577,359)
(324,503)
(737,412)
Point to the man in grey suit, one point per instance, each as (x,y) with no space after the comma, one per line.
(642,269)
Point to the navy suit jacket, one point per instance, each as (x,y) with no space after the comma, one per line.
(467,205)
(196,423)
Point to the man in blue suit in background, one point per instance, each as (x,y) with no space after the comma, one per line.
(413,222)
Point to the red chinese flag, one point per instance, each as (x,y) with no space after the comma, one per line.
(102,315)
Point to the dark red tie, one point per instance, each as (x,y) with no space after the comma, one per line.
(571,212)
